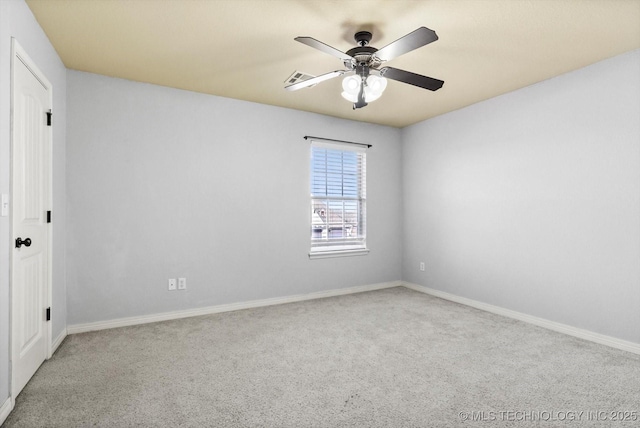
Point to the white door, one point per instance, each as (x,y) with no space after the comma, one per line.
(30,272)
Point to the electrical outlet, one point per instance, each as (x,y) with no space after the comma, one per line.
(182,283)
(172,284)
(422,266)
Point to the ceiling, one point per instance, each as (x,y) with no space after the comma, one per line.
(244,49)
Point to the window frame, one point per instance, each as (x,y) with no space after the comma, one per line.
(340,247)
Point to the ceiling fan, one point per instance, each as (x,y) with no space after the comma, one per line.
(365,80)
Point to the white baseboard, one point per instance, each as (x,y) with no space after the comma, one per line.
(540,322)
(166,316)
(144,319)
(5,409)
(57,341)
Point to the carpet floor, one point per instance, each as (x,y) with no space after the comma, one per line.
(387,358)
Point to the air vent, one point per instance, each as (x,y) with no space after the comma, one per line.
(298,76)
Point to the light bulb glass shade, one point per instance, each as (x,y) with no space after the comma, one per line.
(349,97)
(351,87)
(374,88)
(351,84)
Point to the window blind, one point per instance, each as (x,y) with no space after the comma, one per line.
(338,196)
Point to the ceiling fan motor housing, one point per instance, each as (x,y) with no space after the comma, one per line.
(363,53)
(362,56)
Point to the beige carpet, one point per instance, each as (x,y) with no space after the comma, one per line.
(389,358)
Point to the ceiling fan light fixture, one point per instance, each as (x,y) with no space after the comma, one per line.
(374,88)
(351,88)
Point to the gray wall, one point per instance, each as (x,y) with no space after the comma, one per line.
(531,201)
(164,183)
(16,20)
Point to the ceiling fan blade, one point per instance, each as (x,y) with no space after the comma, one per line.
(310,41)
(418,38)
(411,78)
(315,80)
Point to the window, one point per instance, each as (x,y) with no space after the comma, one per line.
(338,199)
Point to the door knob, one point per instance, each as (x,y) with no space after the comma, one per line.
(20,242)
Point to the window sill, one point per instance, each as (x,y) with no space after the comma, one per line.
(322,253)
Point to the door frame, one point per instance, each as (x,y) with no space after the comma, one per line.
(19,54)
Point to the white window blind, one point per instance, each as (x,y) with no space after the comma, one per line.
(338,198)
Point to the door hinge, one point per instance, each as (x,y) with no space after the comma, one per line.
(49,314)
(49,114)
(48,216)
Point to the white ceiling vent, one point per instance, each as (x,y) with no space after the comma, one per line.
(298,76)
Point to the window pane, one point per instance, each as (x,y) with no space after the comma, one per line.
(336,173)
(337,192)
